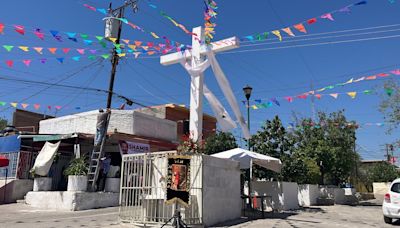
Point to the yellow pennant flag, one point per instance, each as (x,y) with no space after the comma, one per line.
(278,34)
(122,54)
(254,107)
(14,104)
(154,35)
(24,48)
(352,94)
(112,39)
(133,47)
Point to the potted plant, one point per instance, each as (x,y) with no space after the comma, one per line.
(77,174)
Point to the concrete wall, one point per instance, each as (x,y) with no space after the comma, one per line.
(284,194)
(16,189)
(308,194)
(221,190)
(71,201)
(123,121)
(380,189)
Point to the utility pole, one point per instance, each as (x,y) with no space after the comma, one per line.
(113,33)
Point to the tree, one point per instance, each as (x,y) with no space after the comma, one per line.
(382,172)
(3,123)
(329,143)
(220,141)
(390,105)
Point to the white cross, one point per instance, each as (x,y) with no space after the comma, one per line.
(196,56)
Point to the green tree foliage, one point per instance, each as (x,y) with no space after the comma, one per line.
(390,105)
(382,172)
(329,143)
(3,123)
(220,141)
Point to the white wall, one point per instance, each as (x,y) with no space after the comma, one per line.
(16,189)
(380,189)
(71,201)
(308,194)
(124,121)
(221,190)
(284,194)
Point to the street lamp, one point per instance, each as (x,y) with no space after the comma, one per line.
(247,92)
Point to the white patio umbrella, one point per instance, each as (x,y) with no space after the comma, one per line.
(246,159)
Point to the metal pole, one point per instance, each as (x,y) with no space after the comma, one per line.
(248,120)
(5,186)
(248,146)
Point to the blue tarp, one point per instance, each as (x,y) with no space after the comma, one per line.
(10,144)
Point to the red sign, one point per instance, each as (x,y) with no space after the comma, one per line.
(4,161)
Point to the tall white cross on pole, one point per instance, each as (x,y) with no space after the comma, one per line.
(196,56)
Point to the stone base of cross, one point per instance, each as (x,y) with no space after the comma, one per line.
(196,56)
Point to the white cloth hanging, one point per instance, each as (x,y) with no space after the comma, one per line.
(45,158)
(227,90)
(224,119)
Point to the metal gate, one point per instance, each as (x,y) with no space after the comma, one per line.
(143,190)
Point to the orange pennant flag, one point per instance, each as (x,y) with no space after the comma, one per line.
(373,77)
(300,27)
(24,106)
(138,43)
(52,50)
(288,31)
(352,94)
(151,52)
(1,28)
(38,49)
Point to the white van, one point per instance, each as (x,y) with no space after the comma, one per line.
(391,202)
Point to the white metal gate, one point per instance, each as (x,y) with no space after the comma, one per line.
(143,190)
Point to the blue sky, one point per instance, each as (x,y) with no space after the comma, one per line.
(276,70)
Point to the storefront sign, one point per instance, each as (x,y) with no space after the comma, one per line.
(10,144)
(178,180)
(127,147)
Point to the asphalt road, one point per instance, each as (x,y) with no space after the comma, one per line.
(367,215)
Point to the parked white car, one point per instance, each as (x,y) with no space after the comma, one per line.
(391,202)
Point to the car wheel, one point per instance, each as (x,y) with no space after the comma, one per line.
(387,220)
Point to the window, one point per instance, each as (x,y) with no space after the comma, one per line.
(395,188)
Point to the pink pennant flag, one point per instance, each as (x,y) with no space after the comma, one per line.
(352,94)
(20,29)
(49,107)
(81,51)
(327,16)
(10,63)
(288,31)
(66,50)
(14,104)
(38,49)
(300,27)
(312,21)
(2,28)
(57,107)
(395,72)
(302,96)
(289,99)
(334,95)
(24,106)
(318,96)
(382,75)
(150,44)
(39,34)
(27,62)
(373,77)
(89,7)
(36,106)
(52,50)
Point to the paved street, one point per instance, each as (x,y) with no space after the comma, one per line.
(19,215)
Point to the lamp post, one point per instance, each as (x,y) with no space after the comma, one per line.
(247,92)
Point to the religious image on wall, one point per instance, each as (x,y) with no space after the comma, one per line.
(178,180)
(127,147)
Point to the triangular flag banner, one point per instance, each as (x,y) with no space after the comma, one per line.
(288,31)
(389,91)
(49,107)
(88,42)
(57,107)
(373,77)
(254,106)
(328,16)
(43,61)
(20,29)
(103,11)
(290,99)
(76,58)
(352,94)
(112,39)
(84,36)
(38,49)
(396,72)
(359,79)
(318,96)
(302,96)
(312,21)
(24,106)
(14,104)
(91,57)
(105,56)
(383,75)
(81,51)
(99,38)
(10,63)
(334,95)
(122,54)
(24,48)
(138,43)
(151,52)
(300,27)
(367,91)
(2,103)
(349,81)
(278,34)
(55,35)
(1,28)
(8,47)
(52,50)
(126,41)
(61,60)
(36,106)
(136,54)
(93,51)
(275,101)
(27,62)
(38,32)
(66,50)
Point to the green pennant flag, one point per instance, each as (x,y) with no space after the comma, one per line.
(99,38)
(103,44)
(118,46)
(389,91)
(92,57)
(84,36)
(2,103)
(367,92)
(105,56)
(8,47)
